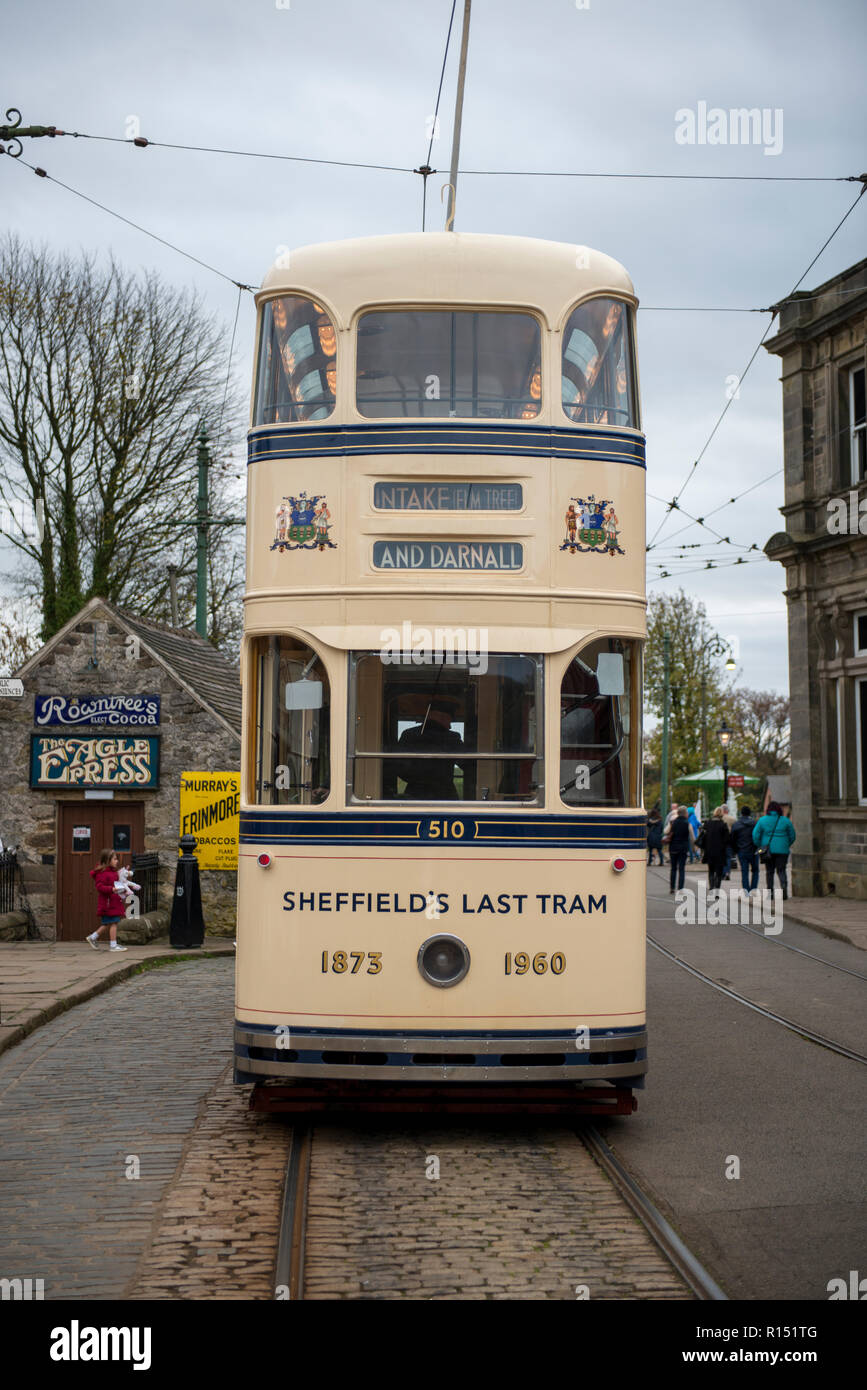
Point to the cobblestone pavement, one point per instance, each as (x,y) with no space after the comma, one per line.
(216,1233)
(126,1073)
(40,979)
(514,1214)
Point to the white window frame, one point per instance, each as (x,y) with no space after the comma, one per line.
(860,733)
(858,651)
(853,431)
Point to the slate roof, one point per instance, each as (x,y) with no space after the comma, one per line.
(209,674)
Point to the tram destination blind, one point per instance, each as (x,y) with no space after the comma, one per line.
(413,496)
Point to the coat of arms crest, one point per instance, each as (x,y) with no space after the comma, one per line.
(592,524)
(303,523)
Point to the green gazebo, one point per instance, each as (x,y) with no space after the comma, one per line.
(710,784)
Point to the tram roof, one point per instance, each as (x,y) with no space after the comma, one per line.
(449,267)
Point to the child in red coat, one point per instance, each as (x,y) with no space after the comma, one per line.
(109,906)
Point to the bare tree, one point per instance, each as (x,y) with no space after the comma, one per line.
(105,381)
(760,719)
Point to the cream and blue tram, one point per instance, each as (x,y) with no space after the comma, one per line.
(441,873)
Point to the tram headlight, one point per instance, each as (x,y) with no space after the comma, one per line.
(443,960)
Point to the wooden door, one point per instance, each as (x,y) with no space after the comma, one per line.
(85,828)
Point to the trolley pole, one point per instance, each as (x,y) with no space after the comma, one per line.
(666,677)
(459,111)
(202,537)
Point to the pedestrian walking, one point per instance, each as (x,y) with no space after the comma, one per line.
(774,836)
(716,838)
(730,825)
(743,847)
(109,905)
(696,827)
(654,836)
(681,837)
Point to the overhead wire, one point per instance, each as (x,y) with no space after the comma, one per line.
(775,309)
(425,169)
(43,174)
(142,142)
(700,520)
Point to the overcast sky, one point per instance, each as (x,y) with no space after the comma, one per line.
(549,86)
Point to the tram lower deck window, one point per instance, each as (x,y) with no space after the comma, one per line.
(292,701)
(596,725)
(445,730)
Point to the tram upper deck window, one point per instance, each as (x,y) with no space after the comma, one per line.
(445,729)
(293,765)
(598,380)
(297,373)
(596,703)
(441,363)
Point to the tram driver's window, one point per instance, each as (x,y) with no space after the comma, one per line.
(598,382)
(446,729)
(293,766)
(297,374)
(596,703)
(443,363)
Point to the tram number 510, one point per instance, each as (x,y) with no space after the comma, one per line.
(445,830)
(539,963)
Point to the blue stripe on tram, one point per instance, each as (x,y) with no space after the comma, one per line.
(607,832)
(319,441)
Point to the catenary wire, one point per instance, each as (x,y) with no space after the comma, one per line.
(755,354)
(433,133)
(143,142)
(136,225)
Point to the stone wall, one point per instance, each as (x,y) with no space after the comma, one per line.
(822,336)
(191,739)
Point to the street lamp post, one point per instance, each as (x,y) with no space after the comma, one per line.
(725,737)
(717,647)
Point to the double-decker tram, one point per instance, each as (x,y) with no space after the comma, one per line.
(441,880)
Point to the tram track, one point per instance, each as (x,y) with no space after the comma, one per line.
(289,1269)
(807,1033)
(661,1232)
(293,1235)
(662,877)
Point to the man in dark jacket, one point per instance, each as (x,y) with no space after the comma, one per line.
(681,839)
(430,779)
(716,838)
(742,844)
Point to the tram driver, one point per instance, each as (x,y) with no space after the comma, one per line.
(431,779)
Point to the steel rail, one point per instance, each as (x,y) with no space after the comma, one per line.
(289,1268)
(802,1032)
(688,1267)
(775,940)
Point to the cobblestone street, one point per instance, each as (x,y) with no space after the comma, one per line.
(514,1213)
(125,1074)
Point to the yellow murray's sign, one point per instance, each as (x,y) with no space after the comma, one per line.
(210,807)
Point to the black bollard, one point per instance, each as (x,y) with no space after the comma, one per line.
(187,927)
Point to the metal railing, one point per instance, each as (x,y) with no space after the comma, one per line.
(145,870)
(8,868)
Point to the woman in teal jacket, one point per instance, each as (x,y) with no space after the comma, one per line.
(774,832)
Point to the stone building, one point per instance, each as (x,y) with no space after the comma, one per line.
(822,344)
(114,710)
